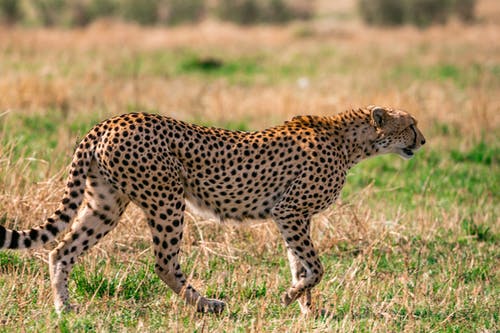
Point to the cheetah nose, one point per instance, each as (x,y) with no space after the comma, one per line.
(422,142)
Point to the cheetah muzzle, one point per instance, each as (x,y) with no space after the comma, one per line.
(288,172)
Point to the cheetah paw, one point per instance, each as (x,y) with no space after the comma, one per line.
(287,298)
(211,306)
(67,308)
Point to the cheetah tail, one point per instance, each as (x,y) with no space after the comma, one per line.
(61,218)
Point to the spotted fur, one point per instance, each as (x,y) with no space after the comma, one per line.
(289,173)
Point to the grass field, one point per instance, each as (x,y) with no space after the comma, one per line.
(411,246)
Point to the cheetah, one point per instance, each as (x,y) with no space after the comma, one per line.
(288,173)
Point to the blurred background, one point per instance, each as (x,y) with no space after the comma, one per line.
(78,13)
(411,245)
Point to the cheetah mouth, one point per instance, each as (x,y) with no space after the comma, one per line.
(406,153)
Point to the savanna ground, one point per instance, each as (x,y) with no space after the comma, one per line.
(411,245)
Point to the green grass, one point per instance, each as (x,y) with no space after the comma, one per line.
(38,135)
(434,179)
(139,284)
(12,261)
(210,65)
(423,268)
(260,67)
(461,75)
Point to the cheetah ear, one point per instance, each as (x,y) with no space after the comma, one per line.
(378,116)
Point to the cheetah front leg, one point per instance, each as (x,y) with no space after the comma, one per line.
(299,272)
(310,274)
(305,265)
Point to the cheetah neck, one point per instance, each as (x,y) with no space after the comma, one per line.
(357,135)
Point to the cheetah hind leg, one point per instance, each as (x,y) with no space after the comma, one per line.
(99,216)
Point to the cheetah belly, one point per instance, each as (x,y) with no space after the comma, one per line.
(196,207)
(249,205)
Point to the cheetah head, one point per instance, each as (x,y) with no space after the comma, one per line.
(396,132)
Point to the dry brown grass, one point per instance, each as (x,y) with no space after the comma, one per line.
(71,70)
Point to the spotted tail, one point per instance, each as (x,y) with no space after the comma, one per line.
(61,218)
